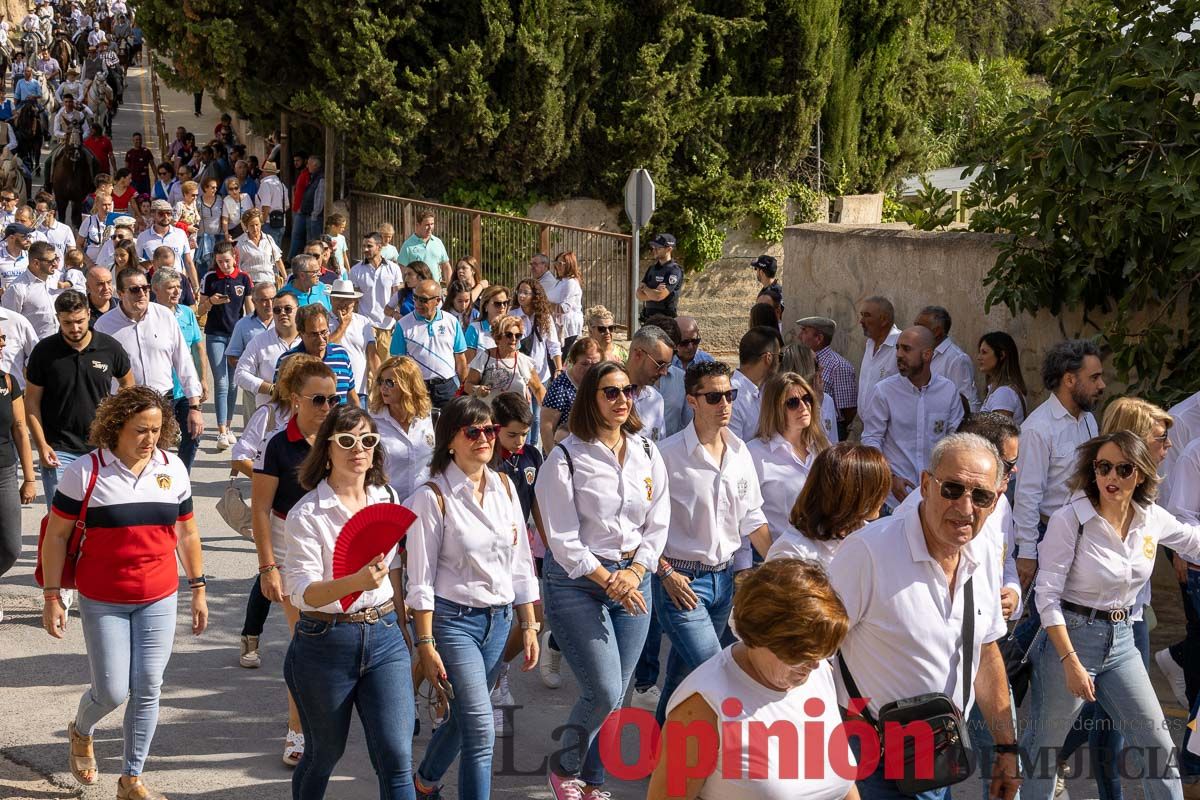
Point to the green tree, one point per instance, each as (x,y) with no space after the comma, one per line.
(1099,185)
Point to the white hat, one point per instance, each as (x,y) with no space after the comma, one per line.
(344,290)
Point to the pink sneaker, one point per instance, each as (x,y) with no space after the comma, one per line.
(565,788)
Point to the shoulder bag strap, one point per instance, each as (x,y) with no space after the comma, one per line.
(646,448)
(852,690)
(968,633)
(567,455)
(507,485)
(76,542)
(441,498)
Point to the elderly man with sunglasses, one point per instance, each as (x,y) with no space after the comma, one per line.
(715,502)
(434,340)
(922,593)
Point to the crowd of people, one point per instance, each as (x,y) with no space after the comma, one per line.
(798,532)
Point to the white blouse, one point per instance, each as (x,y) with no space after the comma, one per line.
(794,544)
(1005,398)
(569,295)
(472,554)
(266,421)
(511,374)
(606,508)
(406,453)
(781,474)
(311,531)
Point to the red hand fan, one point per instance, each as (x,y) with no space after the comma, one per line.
(374,530)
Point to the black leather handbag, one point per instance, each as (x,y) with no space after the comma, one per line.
(943,758)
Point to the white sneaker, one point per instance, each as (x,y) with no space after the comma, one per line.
(68,598)
(502,695)
(550,664)
(565,788)
(1174,674)
(500,723)
(646,699)
(250,658)
(223,442)
(1060,778)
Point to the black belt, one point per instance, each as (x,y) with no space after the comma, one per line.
(697,566)
(437,381)
(1115,615)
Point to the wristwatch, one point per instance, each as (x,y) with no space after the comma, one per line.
(531,626)
(193,408)
(1013,749)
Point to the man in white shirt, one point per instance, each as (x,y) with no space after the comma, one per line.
(650,354)
(539,268)
(249,326)
(49,229)
(716,505)
(377,279)
(163,233)
(19,341)
(256,366)
(93,233)
(14,258)
(435,340)
(876,317)
(908,413)
(69,116)
(154,341)
(758,359)
(32,293)
(904,582)
(272,196)
(949,360)
(1186,430)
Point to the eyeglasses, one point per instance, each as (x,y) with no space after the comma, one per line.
(500,304)
(611,393)
(138,289)
(953,490)
(388,383)
(488,432)
(348,441)
(689,342)
(311,274)
(284,310)
(319,334)
(1103,467)
(712,398)
(322,399)
(605,328)
(792,403)
(510,335)
(1009,466)
(1160,439)
(661,366)
(422,299)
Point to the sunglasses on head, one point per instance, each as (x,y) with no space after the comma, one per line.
(953,490)
(322,399)
(611,393)
(712,398)
(1103,467)
(473,432)
(348,441)
(792,403)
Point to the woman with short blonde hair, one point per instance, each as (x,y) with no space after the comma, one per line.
(600,328)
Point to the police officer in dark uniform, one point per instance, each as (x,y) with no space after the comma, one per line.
(660,287)
(765,268)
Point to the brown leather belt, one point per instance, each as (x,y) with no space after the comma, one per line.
(628,554)
(368,615)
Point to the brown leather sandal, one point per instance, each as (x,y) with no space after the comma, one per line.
(138,790)
(82,758)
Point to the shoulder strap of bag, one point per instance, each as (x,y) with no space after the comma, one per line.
(570,462)
(968,639)
(76,541)
(507,484)
(441,498)
(646,447)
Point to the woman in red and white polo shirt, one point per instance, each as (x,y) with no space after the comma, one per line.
(138,517)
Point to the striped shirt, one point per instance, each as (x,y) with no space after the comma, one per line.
(432,343)
(128,554)
(336,358)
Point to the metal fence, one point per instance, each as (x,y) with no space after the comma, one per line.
(160,125)
(502,244)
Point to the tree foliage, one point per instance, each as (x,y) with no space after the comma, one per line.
(1099,185)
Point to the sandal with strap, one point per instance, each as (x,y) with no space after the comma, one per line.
(293,750)
(138,790)
(82,758)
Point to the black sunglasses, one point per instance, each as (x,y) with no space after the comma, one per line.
(1124,469)
(283,310)
(605,328)
(140,289)
(611,393)
(712,398)
(792,403)
(423,299)
(322,399)
(389,383)
(1009,466)
(512,335)
(688,342)
(953,490)
(473,432)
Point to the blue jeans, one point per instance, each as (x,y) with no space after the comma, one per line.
(877,787)
(695,635)
(224,389)
(315,227)
(1186,652)
(51,476)
(601,641)
(1190,763)
(1107,651)
(645,672)
(334,668)
(274,233)
(471,643)
(128,647)
(982,740)
(187,444)
(535,428)
(299,235)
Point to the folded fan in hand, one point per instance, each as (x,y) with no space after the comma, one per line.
(374,530)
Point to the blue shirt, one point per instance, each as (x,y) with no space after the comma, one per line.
(191,335)
(336,358)
(246,329)
(701,357)
(319,293)
(27,89)
(474,334)
(432,343)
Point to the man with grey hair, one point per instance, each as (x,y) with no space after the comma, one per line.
(539,268)
(876,317)
(306,283)
(650,355)
(949,360)
(909,412)
(921,590)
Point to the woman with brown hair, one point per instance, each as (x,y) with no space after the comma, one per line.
(540,342)
(138,515)
(467,272)
(399,404)
(844,491)
(790,435)
(791,622)
(568,297)
(494,303)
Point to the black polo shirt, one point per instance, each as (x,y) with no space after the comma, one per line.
(236,286)
(522,469)
(668,276)
(73,383)
(284,454)
(96,313)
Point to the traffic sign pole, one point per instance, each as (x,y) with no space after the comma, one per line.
(639,207)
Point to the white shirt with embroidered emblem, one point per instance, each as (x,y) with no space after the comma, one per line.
(155,346)
(954,365)
(257,362)
(1049,438)
(406,453)
(473,554)
(713,506)
(1100,570)
(652,411)
(877,364)
(794,544)
(781,476)
(905,635)
(312,531)
(746,408)
(19,341)
(606,508)
(1186,430)
(33,298)
(906,421)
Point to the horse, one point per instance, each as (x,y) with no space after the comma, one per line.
(31,134)
(30,42)
(98,98)
(13,179)
(71,176)
(61,51)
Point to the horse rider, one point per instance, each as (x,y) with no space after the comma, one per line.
(96,36)
(49,66)
(122,29)
(32,27)
(71,120)
(46,12)
(71,86)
